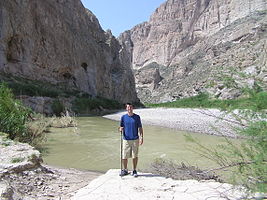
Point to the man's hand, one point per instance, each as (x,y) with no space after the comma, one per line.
(141,134)
(141,141)
(121,129)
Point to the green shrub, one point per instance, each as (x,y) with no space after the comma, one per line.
(13,115)
(260,101)
(4,141)
(58,107)
(254,101)
(15,119)
(247,162)
(22,86)
(34,89)
(17,160)
(86,105)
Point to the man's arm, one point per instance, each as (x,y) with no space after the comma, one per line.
(121,124)
(141,135)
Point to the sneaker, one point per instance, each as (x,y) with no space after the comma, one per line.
(124,172)
(134,174)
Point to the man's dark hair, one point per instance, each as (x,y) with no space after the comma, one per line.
(128,104)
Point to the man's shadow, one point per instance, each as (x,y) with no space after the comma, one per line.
(149,175)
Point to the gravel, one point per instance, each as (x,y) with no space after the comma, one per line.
(207,121)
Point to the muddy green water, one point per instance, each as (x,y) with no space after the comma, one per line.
(95,145)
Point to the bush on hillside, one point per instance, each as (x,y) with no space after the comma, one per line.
(254,101)
(13,115)
(58,107)
(85,105)
(16,122)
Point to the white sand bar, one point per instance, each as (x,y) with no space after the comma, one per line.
(206,121)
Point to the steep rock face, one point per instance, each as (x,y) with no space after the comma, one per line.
(61,42)
(178,24)
(185,37)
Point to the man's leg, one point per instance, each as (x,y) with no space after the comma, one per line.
(125,163)
(125,155)
(135,157)
(124,171)
(135,160)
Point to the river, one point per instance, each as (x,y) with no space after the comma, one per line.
(95,145)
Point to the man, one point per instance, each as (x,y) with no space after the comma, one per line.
(130,125)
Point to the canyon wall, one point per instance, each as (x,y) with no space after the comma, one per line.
(61,42)
(174,52)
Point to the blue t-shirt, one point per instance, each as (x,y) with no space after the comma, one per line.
(130,125)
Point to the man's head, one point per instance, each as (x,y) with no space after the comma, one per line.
(129,108)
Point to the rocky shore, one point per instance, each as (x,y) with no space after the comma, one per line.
(208,121)
(151,187)
(24,177)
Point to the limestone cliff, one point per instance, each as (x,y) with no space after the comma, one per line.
(61,42)
(187,39)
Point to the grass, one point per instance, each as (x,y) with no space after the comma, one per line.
(17,160)
(254,101)
(36,131)
(85,105)
(4,141)
(23,86)
(63,122)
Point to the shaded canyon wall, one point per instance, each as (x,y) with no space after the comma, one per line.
(61,42)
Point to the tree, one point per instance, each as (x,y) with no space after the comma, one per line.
(248,161)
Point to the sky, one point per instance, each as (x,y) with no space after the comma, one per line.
(121,15)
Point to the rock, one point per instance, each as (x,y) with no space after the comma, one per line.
(27,179)
(62,43)
(17,157)
(43,105)
(3,189)
(251,70)
(149,77)
(176,25)
(150,186)
(6,192)
(193,41)
(38,104)
(229,93)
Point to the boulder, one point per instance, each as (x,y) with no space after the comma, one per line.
(151,186)
(17,157)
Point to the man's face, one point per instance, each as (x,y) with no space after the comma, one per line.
(129,108)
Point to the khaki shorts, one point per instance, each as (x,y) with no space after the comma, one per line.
(130,149)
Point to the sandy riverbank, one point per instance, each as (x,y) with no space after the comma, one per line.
(208,121)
